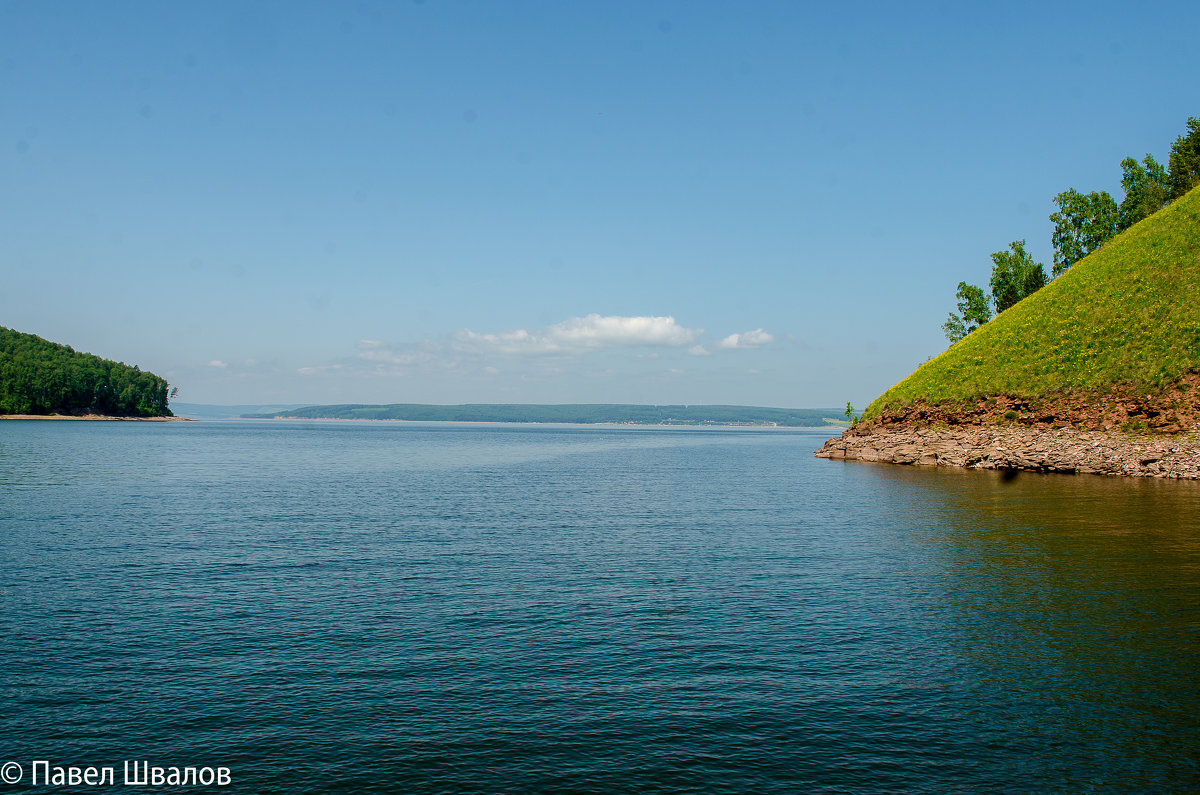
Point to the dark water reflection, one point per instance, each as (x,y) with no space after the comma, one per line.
(1074,606)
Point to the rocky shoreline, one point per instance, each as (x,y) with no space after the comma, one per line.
(1039,449)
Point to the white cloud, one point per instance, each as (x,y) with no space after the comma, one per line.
(599,331)
(699,350)
(579,334)
(329,368)
(392,357)
(748,339)
(218,363)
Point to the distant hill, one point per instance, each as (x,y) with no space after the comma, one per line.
(209,411)
(569,413)
(1121,324)
(42,377)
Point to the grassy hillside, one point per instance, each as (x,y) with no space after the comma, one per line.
(1127,314)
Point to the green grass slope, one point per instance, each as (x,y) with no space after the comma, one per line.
(1127,314)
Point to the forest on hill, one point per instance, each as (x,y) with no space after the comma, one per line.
(42,377)
(584,413)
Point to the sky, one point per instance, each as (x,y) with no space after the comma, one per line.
(759,203)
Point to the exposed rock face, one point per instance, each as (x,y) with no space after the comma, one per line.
(1121,431)
(1040,449)
(1172,409)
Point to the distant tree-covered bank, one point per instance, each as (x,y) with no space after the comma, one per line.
(579,413)
(42,377)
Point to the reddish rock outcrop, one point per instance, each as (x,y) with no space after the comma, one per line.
(1170,410)
(1016,447)
(1123,432)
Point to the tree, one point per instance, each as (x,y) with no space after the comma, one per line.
(1015,276)
(1184,161)
(974,309)
(1146,188)
(1082,225)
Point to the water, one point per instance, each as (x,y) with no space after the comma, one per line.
(439,609)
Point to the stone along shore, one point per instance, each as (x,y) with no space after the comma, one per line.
(1064,449)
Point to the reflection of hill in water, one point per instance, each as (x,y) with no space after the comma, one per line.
(1074,600)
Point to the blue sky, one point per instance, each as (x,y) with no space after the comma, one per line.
(762,203)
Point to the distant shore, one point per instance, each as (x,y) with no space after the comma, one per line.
(554,413)
(92,418)
(769,426)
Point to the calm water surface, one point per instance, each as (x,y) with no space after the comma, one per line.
(451,608)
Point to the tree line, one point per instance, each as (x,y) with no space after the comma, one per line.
(1082,224)
(42,377)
